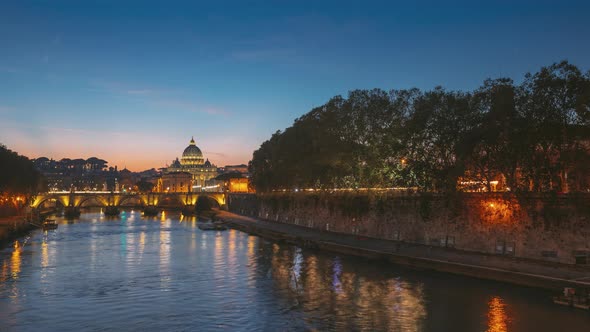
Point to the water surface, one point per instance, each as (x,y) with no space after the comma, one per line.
(164,274)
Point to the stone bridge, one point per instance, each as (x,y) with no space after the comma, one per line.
(117,199)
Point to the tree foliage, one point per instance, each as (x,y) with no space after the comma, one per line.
(530,135)
(17,173)
(144,186)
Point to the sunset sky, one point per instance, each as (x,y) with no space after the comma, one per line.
(130,82)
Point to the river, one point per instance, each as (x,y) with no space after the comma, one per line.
(164,274)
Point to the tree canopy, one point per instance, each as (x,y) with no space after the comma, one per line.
(534,136)
(17,173)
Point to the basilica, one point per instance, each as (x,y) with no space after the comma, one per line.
(189,174)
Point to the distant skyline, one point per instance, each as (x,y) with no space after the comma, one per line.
(130,82)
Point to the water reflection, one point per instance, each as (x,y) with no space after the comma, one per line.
(172,276)
(164,267)
(15,261)
(141,245)
(329,288)
(44,255)
(497,317)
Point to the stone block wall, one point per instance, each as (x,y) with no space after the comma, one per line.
(542,227)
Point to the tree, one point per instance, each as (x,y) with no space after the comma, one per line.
(18,173)
(144,186)
(530,135)
(553,102)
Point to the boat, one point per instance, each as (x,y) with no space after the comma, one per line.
(211,226)
(49,224)
(574,298)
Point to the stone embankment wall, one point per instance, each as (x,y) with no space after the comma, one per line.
(546,227)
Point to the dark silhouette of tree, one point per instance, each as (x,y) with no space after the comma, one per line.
(18,174)
(144,186)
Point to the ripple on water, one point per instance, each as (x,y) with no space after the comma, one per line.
(138,274)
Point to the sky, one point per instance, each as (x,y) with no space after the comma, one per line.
(132,81)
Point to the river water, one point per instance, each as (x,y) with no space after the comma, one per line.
(164,274)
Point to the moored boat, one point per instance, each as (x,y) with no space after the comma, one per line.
(49,224)
(211,226)
(574,298)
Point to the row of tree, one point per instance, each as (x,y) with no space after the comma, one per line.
(18,174)
(532,136)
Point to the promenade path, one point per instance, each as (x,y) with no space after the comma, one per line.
(521,271)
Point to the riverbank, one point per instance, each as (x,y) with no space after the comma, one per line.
(11,228)
(520,271)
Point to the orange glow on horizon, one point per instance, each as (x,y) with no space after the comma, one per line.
(128,151)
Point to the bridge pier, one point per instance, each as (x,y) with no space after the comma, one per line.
(71,212)
(150,211)
(112,210)
(188,210)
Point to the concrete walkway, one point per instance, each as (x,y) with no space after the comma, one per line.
(521,271)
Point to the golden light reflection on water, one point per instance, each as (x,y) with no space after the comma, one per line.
(4,271)
(232,244)
(219,259)
(251,245)
(165,254)
(497,318)
(252,261)
(15,261)
(141,244)
(130,243)
(373,303)
(231,255)
(44,255)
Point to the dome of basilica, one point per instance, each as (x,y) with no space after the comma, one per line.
(192,155)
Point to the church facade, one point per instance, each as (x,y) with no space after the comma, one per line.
(191,167)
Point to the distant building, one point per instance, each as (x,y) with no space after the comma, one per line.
(235,182)
(77,174)
(202,172)
(176,182)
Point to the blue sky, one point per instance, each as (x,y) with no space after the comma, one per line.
(131,82)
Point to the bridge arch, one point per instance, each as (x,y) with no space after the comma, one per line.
(170,199)
(99,200)
(39,200)
(119,199)
(137,199)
